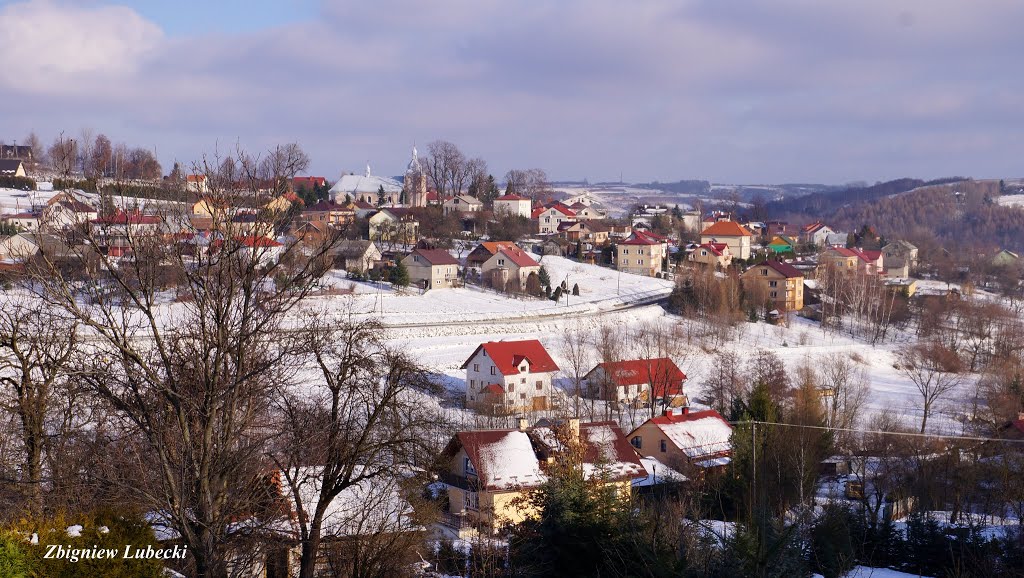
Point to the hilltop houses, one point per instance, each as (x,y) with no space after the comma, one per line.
(778,282)
(513,205)
(686,441)
(506,377)
(642,253)
(510,264)
(432,269)
(733,234)
(636,380)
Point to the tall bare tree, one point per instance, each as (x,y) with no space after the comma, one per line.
(36,349)
(190,385)
(446,167)
(281,165)
(361,425)
(922,364)
(575,347)
(63,155)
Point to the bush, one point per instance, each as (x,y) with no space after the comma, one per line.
(13,561)
(12,182)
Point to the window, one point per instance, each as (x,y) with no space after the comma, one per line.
(471,500)
(522,380)
(540,385)
(637,442)
(764,272)
(511,387)
(522,396)
(501,262)
(625,251)
(492,370)
(773,283)
(472,383)
(476,367)
(773,294)
(468,467)
(664,446)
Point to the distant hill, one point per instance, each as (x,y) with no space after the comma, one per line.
(822,204)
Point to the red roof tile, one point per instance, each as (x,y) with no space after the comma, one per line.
(134,218)
(519,257)
(660,372)
(504,354)
(726,229)
(436,256)
(511,198)
(785,269)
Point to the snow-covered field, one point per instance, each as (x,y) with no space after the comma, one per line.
(1011,200)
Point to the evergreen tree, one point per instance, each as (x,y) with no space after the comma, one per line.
(380,196)
(545,279)
(399,276)
(576,289)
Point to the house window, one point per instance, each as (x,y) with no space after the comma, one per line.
(511,387)
(471,500)
(637,442)
(664,446)
(625,251)
(522,380)
(773,294)
(501,262)
(467,465)
(522,396)
(492,370)
(476,367)
(540,385)
(773,283)
(472,383)
(764,272)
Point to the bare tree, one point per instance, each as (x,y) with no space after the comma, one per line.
(282,164)
(922,364)
(190,386)
(63,155)
(446,167)
(85,140)
(36,347)
(101,162)
(575,348)
(726,383)
(844,388)
(357,429)
(38,151)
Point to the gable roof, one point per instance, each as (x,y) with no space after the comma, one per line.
(785,269)
(123,218)
(518,256)
(717,249)
(507,355)
(503,459)
(698,434)
(512,197)
(814,227)
(9,165)
(301,182)
(660,372)
(436,256)
(726,229)
(492,247)
(554,206)
(639,237)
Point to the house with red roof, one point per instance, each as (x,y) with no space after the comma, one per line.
(852,261)
(513,205)
(486,473)
(548,217)
(504,377)
(634,380)
(197,184)
(687,441)
(484,251)
(510,264)
(432,269)
(642,253)
(778,282)
(714,254)
(731,233)
(308,183)
(816,233)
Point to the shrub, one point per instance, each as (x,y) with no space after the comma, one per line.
(12,182)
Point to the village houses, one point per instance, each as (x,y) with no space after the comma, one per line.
(513,205)
(510,264)
(778,282)
(505,377)
(733,234)
(715,254)
(687,441)
(549,217)
(632,381)
(432,269)
(462,204)
(642,253)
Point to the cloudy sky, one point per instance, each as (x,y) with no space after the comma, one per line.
(744,91)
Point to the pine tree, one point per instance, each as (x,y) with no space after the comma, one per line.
(380,196)
(576,289)
(399,276)
(545,279)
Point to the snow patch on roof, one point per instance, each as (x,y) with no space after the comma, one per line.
(510,462)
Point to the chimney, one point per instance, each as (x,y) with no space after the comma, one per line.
(574,428)
(522,424)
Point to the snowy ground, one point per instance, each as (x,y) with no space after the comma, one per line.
(1011,200)
(866,572)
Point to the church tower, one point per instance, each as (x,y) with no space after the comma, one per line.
(414,186)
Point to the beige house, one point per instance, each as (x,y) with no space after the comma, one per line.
(24,246)
(504,377)
(462,204)
(487,472)
(432,269)
(715,254)
(643,253)
(394,225)
(282,203)
(548,218)
(67,213)
(510,263)
(779,282)
(684,440)
(513,205)
(355,255)
(197,184)
(899,258)
(23,221)
(733,234)
(588,212)
(211,208)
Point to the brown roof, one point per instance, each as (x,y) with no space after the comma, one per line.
(519,257)
(436,256)
(785,269)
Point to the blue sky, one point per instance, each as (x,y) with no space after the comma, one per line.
(745,91)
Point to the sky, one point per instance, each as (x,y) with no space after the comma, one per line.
(744,91)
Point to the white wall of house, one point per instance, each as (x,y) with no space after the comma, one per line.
(520,389)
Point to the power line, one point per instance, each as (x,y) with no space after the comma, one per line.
(882,432)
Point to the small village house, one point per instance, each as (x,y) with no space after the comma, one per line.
(197,184)
(12,168)
(487,473)
(817,234)
(504,377)
(549,217)
(633,381)
(462,204)
(432,269)
(330,213)
(643,253)
(736,236)
(484,251)
(513,205)
(779,282)
(687,441)
(510,264)
(355,255)
(396,225)
(715,254)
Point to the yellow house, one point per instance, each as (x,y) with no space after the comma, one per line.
(282,203)
(210,207)
(489,474)
(686,441)
(779,282)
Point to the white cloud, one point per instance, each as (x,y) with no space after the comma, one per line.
(64,48)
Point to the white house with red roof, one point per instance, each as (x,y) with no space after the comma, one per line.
(685,440)
(642,253)
(632,381)
(432,269)
(816,233)
(550,216)
(510,263)
(513,205)
(197,184)
(733,234)
(505,377)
